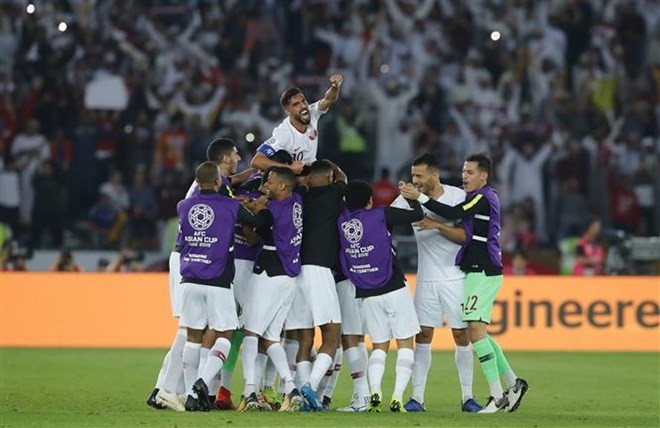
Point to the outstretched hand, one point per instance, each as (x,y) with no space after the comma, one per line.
(408,191)
(336,80)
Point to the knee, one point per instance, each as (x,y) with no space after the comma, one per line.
(425,336)
(461,337)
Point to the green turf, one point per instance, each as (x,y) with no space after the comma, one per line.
(103,387)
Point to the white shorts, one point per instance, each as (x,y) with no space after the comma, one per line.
(270,300)
(390,316)
(316,302)
(241,285)
(352,322)
(176,290)
(436,299)
(207,306)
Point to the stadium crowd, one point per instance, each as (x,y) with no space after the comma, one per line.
(564,95)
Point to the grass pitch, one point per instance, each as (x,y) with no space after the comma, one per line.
(108,387)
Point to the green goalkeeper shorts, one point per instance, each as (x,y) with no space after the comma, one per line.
(480,294)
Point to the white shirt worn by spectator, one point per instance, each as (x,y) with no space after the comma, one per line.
(301,146)
(117,194)
(436,254)
(29,151)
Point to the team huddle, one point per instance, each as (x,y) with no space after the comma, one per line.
(267,255)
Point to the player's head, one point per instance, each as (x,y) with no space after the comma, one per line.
(320,174)
(295,104)
(476,171)
(282,156)
(223,152)
(279,183)
(426,173)
(358,195)
(207,175)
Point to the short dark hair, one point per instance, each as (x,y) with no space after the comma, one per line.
(483,162)
(285,174)
(285,99)
(282,156)
(320,167)
(219,148)
(427,159)
(357,194)
(206,173)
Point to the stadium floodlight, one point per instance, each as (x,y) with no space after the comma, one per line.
(495,36)
(249,137)
(62,26)
(30,8)
(385,68)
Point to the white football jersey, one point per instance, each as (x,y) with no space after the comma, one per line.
(301,147)
(436,255)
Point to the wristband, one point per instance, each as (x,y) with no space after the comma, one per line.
(422,198)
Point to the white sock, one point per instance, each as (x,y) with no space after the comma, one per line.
(330,389)
(190,365)
(259,369)
(421,370)
(203,356)
(277,354)
(376,369)
(303,372)
(291,349)
(313,354)
(270,374)
(174,375)
(405,359)
(510,378)
(464,364)
(214,386)
(496,389)
(225,379)
(329,381)
(163,370)
(321,366)
(216,358)
(357,362)
(249,359)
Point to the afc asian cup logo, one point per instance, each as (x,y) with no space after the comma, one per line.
(297,215)
(201,217)
(352,230)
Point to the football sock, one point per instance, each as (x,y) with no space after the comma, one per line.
(277,354)
(303,372)
(357,363)
(270,374)
(376,369)
(291,349)
(174,373)
(488,362)
(203,356)
(321,366)
(259,368)
(190,365)
(420,371)
(163,370)
(331,383)
(216,358)
(249,358)
(503,366)
(236,340)
(464,364)
(405,359)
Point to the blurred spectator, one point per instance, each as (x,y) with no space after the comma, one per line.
(102,265)
(10,196)
(13,257)
(104,222)
(171,149)
(127,260)
(29,150)
(385,192)
(65,263)
(144,208)
(643,186)
(518,265)
(589,254)
(49,209)
(625,212)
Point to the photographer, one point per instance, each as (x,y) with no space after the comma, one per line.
(65,263)
(127,260)
(13,258)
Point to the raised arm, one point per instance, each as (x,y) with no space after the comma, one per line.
(466,209)
(338,173)
(401,216)
(332,94)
